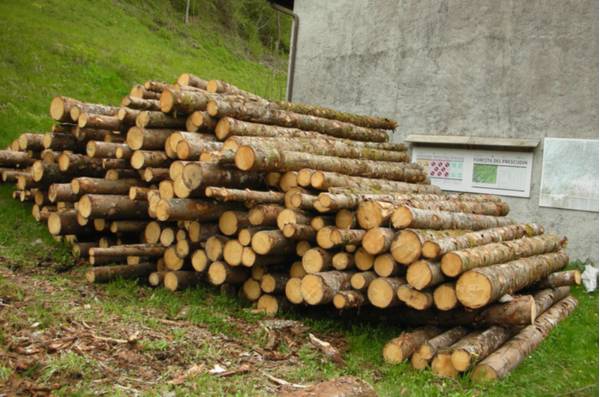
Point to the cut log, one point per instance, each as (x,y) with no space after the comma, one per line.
(424,274)
(419,300)
(109,206)
(60,141)
(200,121)
(436,247)
(104,274)
(299,232)
(272,242)
(232,252)
(360,281)
(342,261)
(60,108)
(156,278)
(457,262)
(179,280)
(402,347)
(155,119)
(265,215)
(274,283)
(345,219)
(444,297)
(428,349)
(341,237)
(140,103)
(408,244)
(65,223)
(481,286)
(147,139)
(85,185)
(222,87)
(192,80)
(91,108)
(78,164)
(559,279)
(323,238)
(198,231)
(511,354)
(378,240)
(197,174)
(348,300)
(382,292)
(316,260)
(99,121)
(12,159)
(293,290)
(406,217)
(231,221)
(62,192)
(149,158)
(476,346)
(385,266)
(363,260)
(322,180)
(250,158)
(259,113)
(320,288)
(191,209)
(294,217)
(214,247)
(29,141)
(297,198)
(127,226)
(220,273)
(271,304)
(251,290)
(324,146)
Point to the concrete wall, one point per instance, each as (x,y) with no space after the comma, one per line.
(483,68)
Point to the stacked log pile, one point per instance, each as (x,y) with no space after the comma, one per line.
(290,204)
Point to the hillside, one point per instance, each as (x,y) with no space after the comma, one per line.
(95,49)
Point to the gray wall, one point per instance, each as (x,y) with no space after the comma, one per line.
(480,67)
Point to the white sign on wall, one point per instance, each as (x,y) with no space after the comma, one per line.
(477,171)
(570,174)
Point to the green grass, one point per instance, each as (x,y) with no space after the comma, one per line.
(95,50)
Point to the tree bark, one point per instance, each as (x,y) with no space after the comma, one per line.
(104,274)
(272,242)
(86,185)
(476,346)
(457,262)
(61,141)
(480,286)
(435,247)
(109,206)
(320,288)
(428,349)
(140,104)
(408,243)
(249,111)
(498,364)
(62,192)
(402,347)
(251,197)
(559,279)
(12,159)
(250,158)
(197,174)
(323,180)
(157,119)
(99,121)
(324,146)
(430,219)
(91,108)
(78,164)
(201,121)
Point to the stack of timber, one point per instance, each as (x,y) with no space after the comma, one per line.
(290,204)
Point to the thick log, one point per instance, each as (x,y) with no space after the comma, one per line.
(197,174)
(12,159)
(476,346)
(79,164)
(270,305)
(320,288)
(60,108)
(99,121)
(346,386)
(220,273)
(272,242)
(316,260)
(322,180)
(200,121)
(62,192)
(152,174)
(106,149)
(248,111)
(222,87)
(265,215)
(191,209)
(91,108)
(408,243)
(127,116)
(230,222)
(408,217)
(156,119)
(382,292)
(363,260)
(378,240)
(480,286)
(444,297)
(109,206)
(104,274)
(85,185)
(129,250)
(232,252)
(184,102)
(403,346)
(386,266)
(139,91)
(294,217)
(349,300)
(274,283)
(263,158)
(511,354)
(30,141)
(149,158)
(178,280)
(190,150)
(299,232)
(127,226)
(457,262)
(60,141)
(65,223)
(147,139)
(436,247)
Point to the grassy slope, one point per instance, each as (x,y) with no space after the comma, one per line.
(95,50)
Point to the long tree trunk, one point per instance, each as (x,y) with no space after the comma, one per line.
(320,288)
(249,111)
(191,210)
(408,243)
(480,286)
(196,174)
(85,185)
(154,119)
(559,279)
(430,219)
(476,346)
(109,206)
(252,197)
(457,262)
(324,146)
(269,159)
(129,250)
(323,180)
(511,354)
(104,274)
(434,248)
